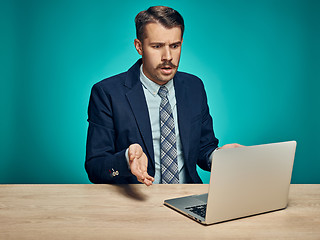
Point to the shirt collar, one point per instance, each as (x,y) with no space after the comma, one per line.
(151,86)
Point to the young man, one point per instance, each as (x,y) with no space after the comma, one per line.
(151,124)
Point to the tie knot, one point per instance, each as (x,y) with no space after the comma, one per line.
(163,92)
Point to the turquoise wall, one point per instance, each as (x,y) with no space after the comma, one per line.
(259,61)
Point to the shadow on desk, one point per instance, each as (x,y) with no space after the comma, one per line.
(132,191)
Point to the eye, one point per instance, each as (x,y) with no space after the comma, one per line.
(156,46)
(174,46)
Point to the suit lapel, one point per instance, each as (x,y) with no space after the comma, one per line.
(139,107)
(183,112)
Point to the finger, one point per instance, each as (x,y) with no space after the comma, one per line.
(136,172)
(140,180)
(147,182)
(148,177)
(143,177)
(232,145)
(238,145)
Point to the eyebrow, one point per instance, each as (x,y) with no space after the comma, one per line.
(162,43)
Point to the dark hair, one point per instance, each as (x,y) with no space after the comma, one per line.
(166,16)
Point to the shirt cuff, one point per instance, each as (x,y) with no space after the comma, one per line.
(127,157)
(211,156)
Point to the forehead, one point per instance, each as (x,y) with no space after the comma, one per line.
(155,32)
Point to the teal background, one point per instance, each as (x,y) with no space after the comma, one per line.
(259,61)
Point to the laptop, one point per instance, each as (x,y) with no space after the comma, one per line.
(244,181)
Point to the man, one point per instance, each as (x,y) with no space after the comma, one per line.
(151,123)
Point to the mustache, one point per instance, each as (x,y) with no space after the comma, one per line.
(166,64)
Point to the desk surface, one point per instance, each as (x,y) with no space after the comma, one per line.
(137,212)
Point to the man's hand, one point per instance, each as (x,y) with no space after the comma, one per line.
(138,162)
(232,145)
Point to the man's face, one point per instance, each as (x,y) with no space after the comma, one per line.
(160,50)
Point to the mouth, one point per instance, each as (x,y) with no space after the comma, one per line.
(166,70)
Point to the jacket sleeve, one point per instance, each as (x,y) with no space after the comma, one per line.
(104,162)
(208,141)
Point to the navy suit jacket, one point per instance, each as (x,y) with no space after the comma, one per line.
(118,117)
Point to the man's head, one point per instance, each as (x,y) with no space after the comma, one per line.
(166,16)
(159,38)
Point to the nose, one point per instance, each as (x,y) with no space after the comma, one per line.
(166,55)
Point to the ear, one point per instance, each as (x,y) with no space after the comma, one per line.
(138,45)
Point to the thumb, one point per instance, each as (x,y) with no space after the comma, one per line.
(135,151)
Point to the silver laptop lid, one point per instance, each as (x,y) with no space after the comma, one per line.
(249,180)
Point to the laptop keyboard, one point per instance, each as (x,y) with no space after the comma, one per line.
(199,210)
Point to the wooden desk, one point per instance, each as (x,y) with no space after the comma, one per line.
(137,212)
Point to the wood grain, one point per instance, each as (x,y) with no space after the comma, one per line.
(88,211)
